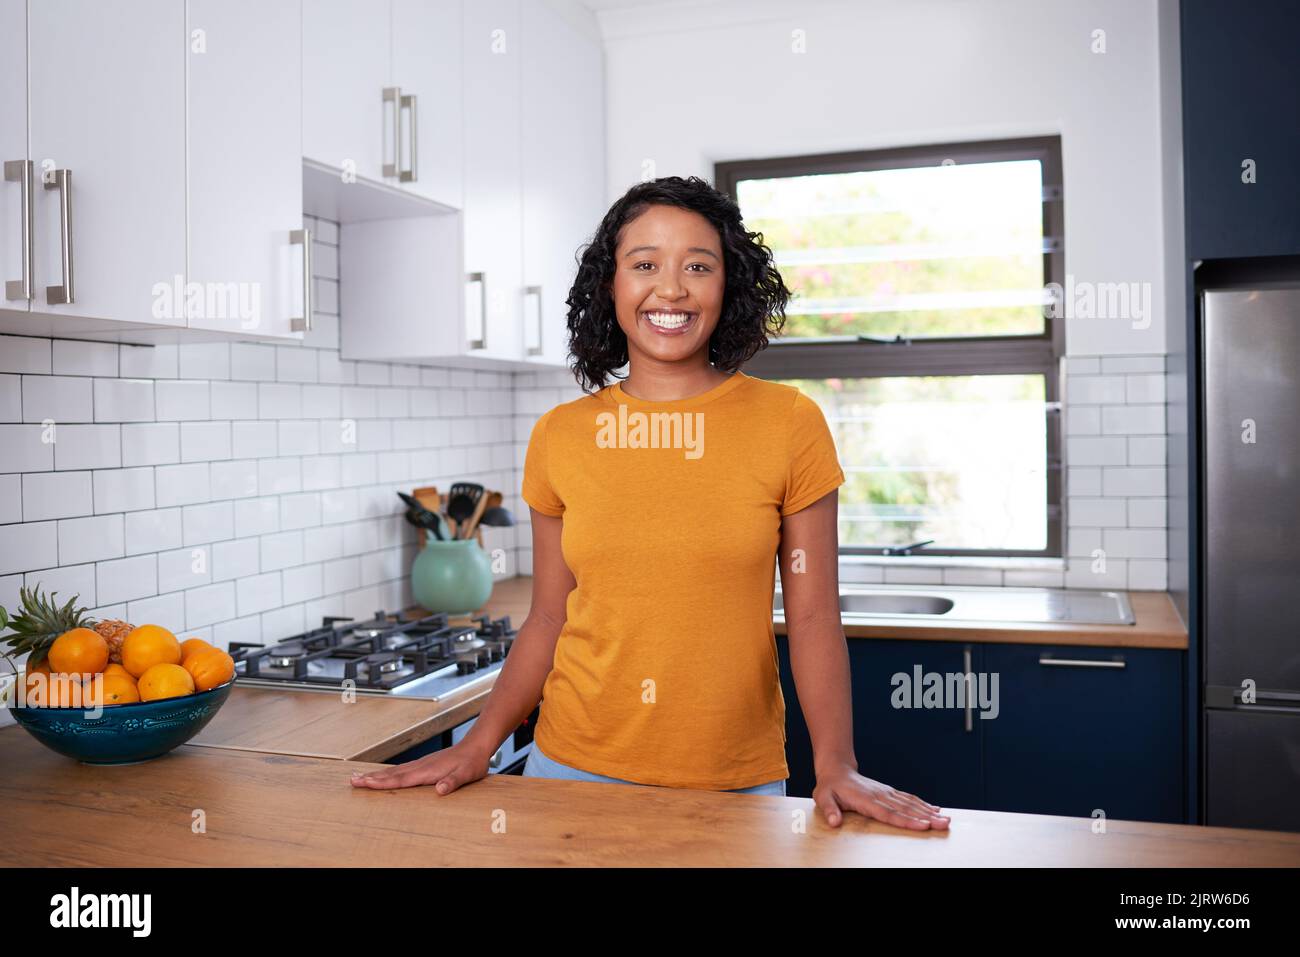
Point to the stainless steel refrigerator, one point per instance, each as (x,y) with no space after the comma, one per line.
(1250,354)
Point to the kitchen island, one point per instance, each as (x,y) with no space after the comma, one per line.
(271,810)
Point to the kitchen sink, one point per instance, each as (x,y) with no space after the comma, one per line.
(970,603)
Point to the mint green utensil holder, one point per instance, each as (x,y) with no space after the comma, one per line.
(453,576)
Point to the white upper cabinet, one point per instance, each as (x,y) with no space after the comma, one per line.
(19,183)
(493,201)
(427,73)
(346,57)
(563,172)
(107,136)
(246,252)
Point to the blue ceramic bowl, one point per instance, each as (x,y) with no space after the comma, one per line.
(123,733)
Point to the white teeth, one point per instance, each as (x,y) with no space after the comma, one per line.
(668,320)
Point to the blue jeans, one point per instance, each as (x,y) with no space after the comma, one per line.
(539,765)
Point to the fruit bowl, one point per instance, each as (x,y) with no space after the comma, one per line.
(123,733)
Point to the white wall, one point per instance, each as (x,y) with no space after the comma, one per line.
(694,84)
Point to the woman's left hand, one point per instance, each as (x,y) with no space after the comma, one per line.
(844,789)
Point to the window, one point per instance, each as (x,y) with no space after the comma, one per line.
(920,324)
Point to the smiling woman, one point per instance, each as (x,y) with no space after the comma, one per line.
(650,637)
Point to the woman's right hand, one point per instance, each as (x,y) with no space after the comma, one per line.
(447,770)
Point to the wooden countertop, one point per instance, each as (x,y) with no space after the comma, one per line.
(264,810)
(375,728)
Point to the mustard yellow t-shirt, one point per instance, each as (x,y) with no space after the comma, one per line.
(666,670)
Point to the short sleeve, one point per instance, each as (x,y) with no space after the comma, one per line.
(814,467)
(537,489)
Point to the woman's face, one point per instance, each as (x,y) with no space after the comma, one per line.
(668,283)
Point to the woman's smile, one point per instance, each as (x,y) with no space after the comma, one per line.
(670,322)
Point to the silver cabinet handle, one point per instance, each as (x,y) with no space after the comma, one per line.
(965,658)
(302,237)
(1079,662)
(481,279)
(411,174)
(61,179)
(536,291)
(20,172)
(393,95)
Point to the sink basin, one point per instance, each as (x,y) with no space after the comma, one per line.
(889,603)
(971,603)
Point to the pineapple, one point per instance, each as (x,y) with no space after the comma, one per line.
(113,631)
(38,622)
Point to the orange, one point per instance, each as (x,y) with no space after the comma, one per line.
(116,669)
(147,646)
(78,651)
(116,689)
(165,681)
(191,645)
(66,691)
(36,685)
(210,668)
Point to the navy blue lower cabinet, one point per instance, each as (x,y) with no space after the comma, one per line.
(1083,728)
(926,744)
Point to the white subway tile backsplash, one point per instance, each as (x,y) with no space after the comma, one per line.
(322,543)
(127,579)
(254,440)
(183,400)
(123,490)
(166,610)
(1147,450)
(1146,575)
(205,360)
(334,369)
(237,558)
(296,364)
(276,400)
(252,362)
(70,581)
(258,593)
(256,516)
(234,400)
(322,401)
(277,476)
(213,522)
(1133,420)
(299,437)
(48,495)
(300,511)
(1097,512)
(153,531)
(60,399)
(205,441)
(1134,481)
(87,447)
(27,447)
(302,583)
(320,472)
(182,484)
(73,357)
(147,362)
(233,479)
(11,398)
(184,568)
(11,499)
(1089,450)
(23,354)
(209,604)
(283,623)
(1134,542)
(1148,512)
(238,629)
(124,400)
(155,443)
(90,539)
(281,550)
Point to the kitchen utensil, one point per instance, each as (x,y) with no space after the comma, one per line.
(462,501)
(421,517)
(490,501)
(472,522)
(497,517)
(428,497)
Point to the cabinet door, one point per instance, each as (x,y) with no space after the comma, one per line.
(932,752)
(19,181)
(427,66)
(1081,729)
(493,248)
(245,165)
(563,172)
(107,95)
(345,55)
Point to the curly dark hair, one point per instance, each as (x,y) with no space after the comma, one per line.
(754,297)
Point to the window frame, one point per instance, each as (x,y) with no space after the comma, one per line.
(853,357)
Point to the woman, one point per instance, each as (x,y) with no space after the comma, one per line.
(659,506)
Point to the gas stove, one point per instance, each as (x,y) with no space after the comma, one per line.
(428,657)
